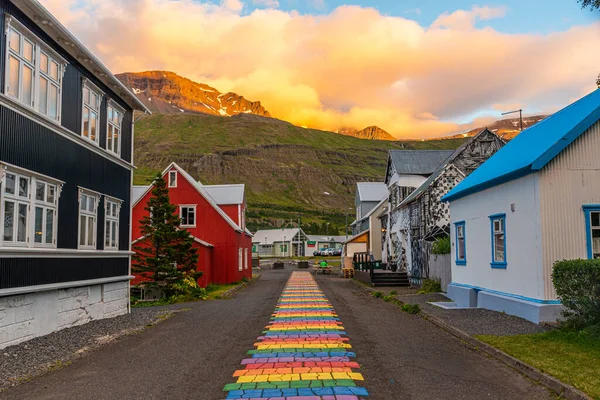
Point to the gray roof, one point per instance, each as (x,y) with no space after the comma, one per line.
(270,236)
(138,192)
(418,162)
(226,194)
(326,239)
(371,191)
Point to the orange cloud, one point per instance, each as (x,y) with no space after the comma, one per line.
(353,67)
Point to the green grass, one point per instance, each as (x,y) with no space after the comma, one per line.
(286,169)
(572,357)
(216,291)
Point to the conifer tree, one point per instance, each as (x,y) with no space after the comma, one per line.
(166,254)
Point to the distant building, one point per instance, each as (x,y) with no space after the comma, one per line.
(214,215)
(280,242)
(534,202)
(368,196)
(66,148)
(318,242)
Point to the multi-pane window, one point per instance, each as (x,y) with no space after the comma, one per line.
(111,228)
(92,98)
(16,209)
(461,253)
(113,128)
(240,258)
(33,73)
(246,258)
(595,233)
(28,210)
(44,224)
(188,216)
(498,239)
(88,217)
(172,179)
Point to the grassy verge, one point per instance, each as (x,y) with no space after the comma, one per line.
(572,357)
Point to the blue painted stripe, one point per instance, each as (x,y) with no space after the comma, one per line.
(515,296)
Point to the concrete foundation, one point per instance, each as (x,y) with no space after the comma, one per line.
(25,316)
(464,297)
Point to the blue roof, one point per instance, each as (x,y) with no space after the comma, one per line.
(533,148)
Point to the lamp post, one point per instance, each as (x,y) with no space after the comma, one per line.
(284,247)
(327,229)
(520,111)
(265,247)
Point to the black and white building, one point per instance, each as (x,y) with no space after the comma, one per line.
(66,153)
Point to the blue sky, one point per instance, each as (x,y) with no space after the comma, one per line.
(522,16)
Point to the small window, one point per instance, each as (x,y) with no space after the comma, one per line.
(245,258)
(111,224)
(498,240)
(188,216)
(461,251)
(114,120)
(172,179)
(88,217)
(240,258)
(92,99)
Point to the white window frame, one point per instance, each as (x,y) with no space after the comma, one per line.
(116,126)
(172,182)
(31,203)
(87,85)
(84,196)
(240,259)
(188,206)
(246,258)
(112,214)
(39,48)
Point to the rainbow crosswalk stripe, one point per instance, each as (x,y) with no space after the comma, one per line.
(303,353)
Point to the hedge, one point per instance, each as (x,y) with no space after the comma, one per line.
(577,284)
(441,246)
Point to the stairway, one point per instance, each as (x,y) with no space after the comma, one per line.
(390,279)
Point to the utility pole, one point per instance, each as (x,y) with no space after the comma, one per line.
(520,111)
(327,230)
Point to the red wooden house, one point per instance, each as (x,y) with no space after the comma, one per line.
(214,216)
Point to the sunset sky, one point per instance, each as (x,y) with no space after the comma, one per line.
(414,68)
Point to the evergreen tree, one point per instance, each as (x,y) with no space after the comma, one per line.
(166,255)
(598,80)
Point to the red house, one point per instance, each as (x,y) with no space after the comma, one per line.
(214,215)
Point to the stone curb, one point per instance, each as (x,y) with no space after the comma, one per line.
(231,291)
(562,389)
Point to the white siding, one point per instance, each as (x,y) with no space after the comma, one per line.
(523,275)
(569,181)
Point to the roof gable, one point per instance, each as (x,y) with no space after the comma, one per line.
(371,191)
(533,148)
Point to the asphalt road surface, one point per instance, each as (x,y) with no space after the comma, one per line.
(193,354)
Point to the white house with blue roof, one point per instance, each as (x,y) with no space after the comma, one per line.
(534,202)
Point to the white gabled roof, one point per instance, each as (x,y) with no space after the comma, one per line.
(198,186)
(326,239)
(270,236)
(226,194)
(371,191)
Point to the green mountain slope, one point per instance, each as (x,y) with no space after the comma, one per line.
(290,172)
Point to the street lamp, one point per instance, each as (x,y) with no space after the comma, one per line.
(520,111)
(327,230)
(284,247)
(265,247)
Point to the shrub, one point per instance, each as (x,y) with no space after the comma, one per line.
(378,295)
(441,246)
(411,308)
(393,292)
(577,284)
(430,286)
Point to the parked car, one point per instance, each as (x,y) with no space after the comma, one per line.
(317,253)
(337,252)
(327,252)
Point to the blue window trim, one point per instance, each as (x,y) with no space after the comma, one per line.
(456,225)
(516,296)
(495,217)
(587,209)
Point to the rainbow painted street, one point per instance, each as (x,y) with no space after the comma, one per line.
(303,354)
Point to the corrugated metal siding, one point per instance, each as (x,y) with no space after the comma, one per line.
(29,145)
(22,272)
(72,84)
(568,182)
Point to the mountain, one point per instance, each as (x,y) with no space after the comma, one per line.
(505,128)
(166,92)
(370,132)
(289,172)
